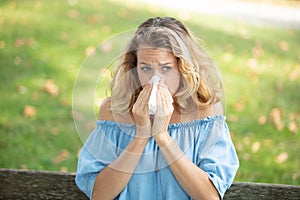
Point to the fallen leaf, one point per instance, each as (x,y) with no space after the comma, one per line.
(64,36)
(65,102)
(55,131)
(72,2)
(252,63)
(267,142)
(257,51)
(279,86)
(293,116)
(23,166)
(89,51)
(19,42)
(239,106)
(31,42)
(18,60)
(63,155)
(123,13)
(262,120)
(246,140)
(255,146)
(2,44)
(22,89)
(282,157)
(233,118)
(239,146)
(295,73)
(73,14)
(105,29)
(283,45)
(51,88)
(253,75)
(73,44)
(295,176)
(92,19)
(63,169)
(246,157)
(29,111)
(35,96)
(227,57)
(293,127)
(276,115)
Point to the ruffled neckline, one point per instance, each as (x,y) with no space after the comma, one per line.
(171,126)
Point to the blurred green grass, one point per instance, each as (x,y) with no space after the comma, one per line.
(43,44)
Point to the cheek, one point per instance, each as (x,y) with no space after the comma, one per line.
(173,83)
(143,79)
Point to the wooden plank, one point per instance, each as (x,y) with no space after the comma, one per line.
(26,184)
(255,191)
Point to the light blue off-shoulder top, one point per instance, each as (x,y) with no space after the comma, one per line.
(206,142)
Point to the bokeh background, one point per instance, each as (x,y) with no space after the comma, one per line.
(44,44)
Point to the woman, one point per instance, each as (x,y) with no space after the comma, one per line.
(184,150)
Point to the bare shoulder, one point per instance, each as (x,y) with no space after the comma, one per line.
(217,109)
(105,112)
(211,110)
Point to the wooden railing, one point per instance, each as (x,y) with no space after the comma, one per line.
(31,185)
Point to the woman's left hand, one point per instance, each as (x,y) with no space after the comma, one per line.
(164,111)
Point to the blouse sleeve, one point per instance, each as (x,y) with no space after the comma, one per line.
(97,152)
(218,156)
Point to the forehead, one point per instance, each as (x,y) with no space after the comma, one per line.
(155,55)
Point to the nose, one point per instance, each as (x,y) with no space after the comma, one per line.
(158,73)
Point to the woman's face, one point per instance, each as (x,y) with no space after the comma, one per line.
(160,62)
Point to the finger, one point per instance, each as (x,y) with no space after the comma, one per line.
(166,93)
(158,98)
(162,85)
(146,90)
(162,104)
(143,97)
(167,101)
(159,103)
(169,96)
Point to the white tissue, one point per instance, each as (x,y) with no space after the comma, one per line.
(152,100)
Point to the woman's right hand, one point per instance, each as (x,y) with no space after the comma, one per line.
(140,112)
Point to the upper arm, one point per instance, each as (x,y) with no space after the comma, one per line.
(217,156)
(105,112)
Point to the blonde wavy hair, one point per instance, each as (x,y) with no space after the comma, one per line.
(200,82)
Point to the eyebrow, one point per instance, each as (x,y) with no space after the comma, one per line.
(143,63)
(163,64)
(160,64)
